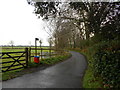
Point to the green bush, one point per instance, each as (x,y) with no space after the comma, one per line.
(107,63)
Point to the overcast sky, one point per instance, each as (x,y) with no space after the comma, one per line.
(18,23)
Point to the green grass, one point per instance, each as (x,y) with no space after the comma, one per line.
(10,49)
(53,60)
(10,74)
(89,81)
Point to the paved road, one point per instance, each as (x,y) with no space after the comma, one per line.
(67,74)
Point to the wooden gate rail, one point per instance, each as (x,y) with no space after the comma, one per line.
(15,58)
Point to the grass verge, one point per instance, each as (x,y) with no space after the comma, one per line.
(89,81)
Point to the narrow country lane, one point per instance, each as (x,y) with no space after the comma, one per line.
(67,74)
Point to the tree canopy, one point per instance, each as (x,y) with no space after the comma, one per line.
(98,19)
(97,16)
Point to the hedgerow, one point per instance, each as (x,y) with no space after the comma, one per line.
(107,64)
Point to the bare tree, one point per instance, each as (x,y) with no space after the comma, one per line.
(11,43)
(40,41)
(29,43)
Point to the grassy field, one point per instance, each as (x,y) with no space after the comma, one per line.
(15,49)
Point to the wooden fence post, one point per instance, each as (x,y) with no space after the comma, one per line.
(50,52)
(41,53)
(26,56)
(29,54)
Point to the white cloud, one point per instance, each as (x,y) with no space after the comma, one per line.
(18,23)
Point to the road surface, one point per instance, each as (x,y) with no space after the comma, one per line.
(67,74)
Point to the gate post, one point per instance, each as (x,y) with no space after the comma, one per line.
(41,53)
(26,56)
(29,54)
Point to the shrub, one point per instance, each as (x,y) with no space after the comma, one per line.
(107,63)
